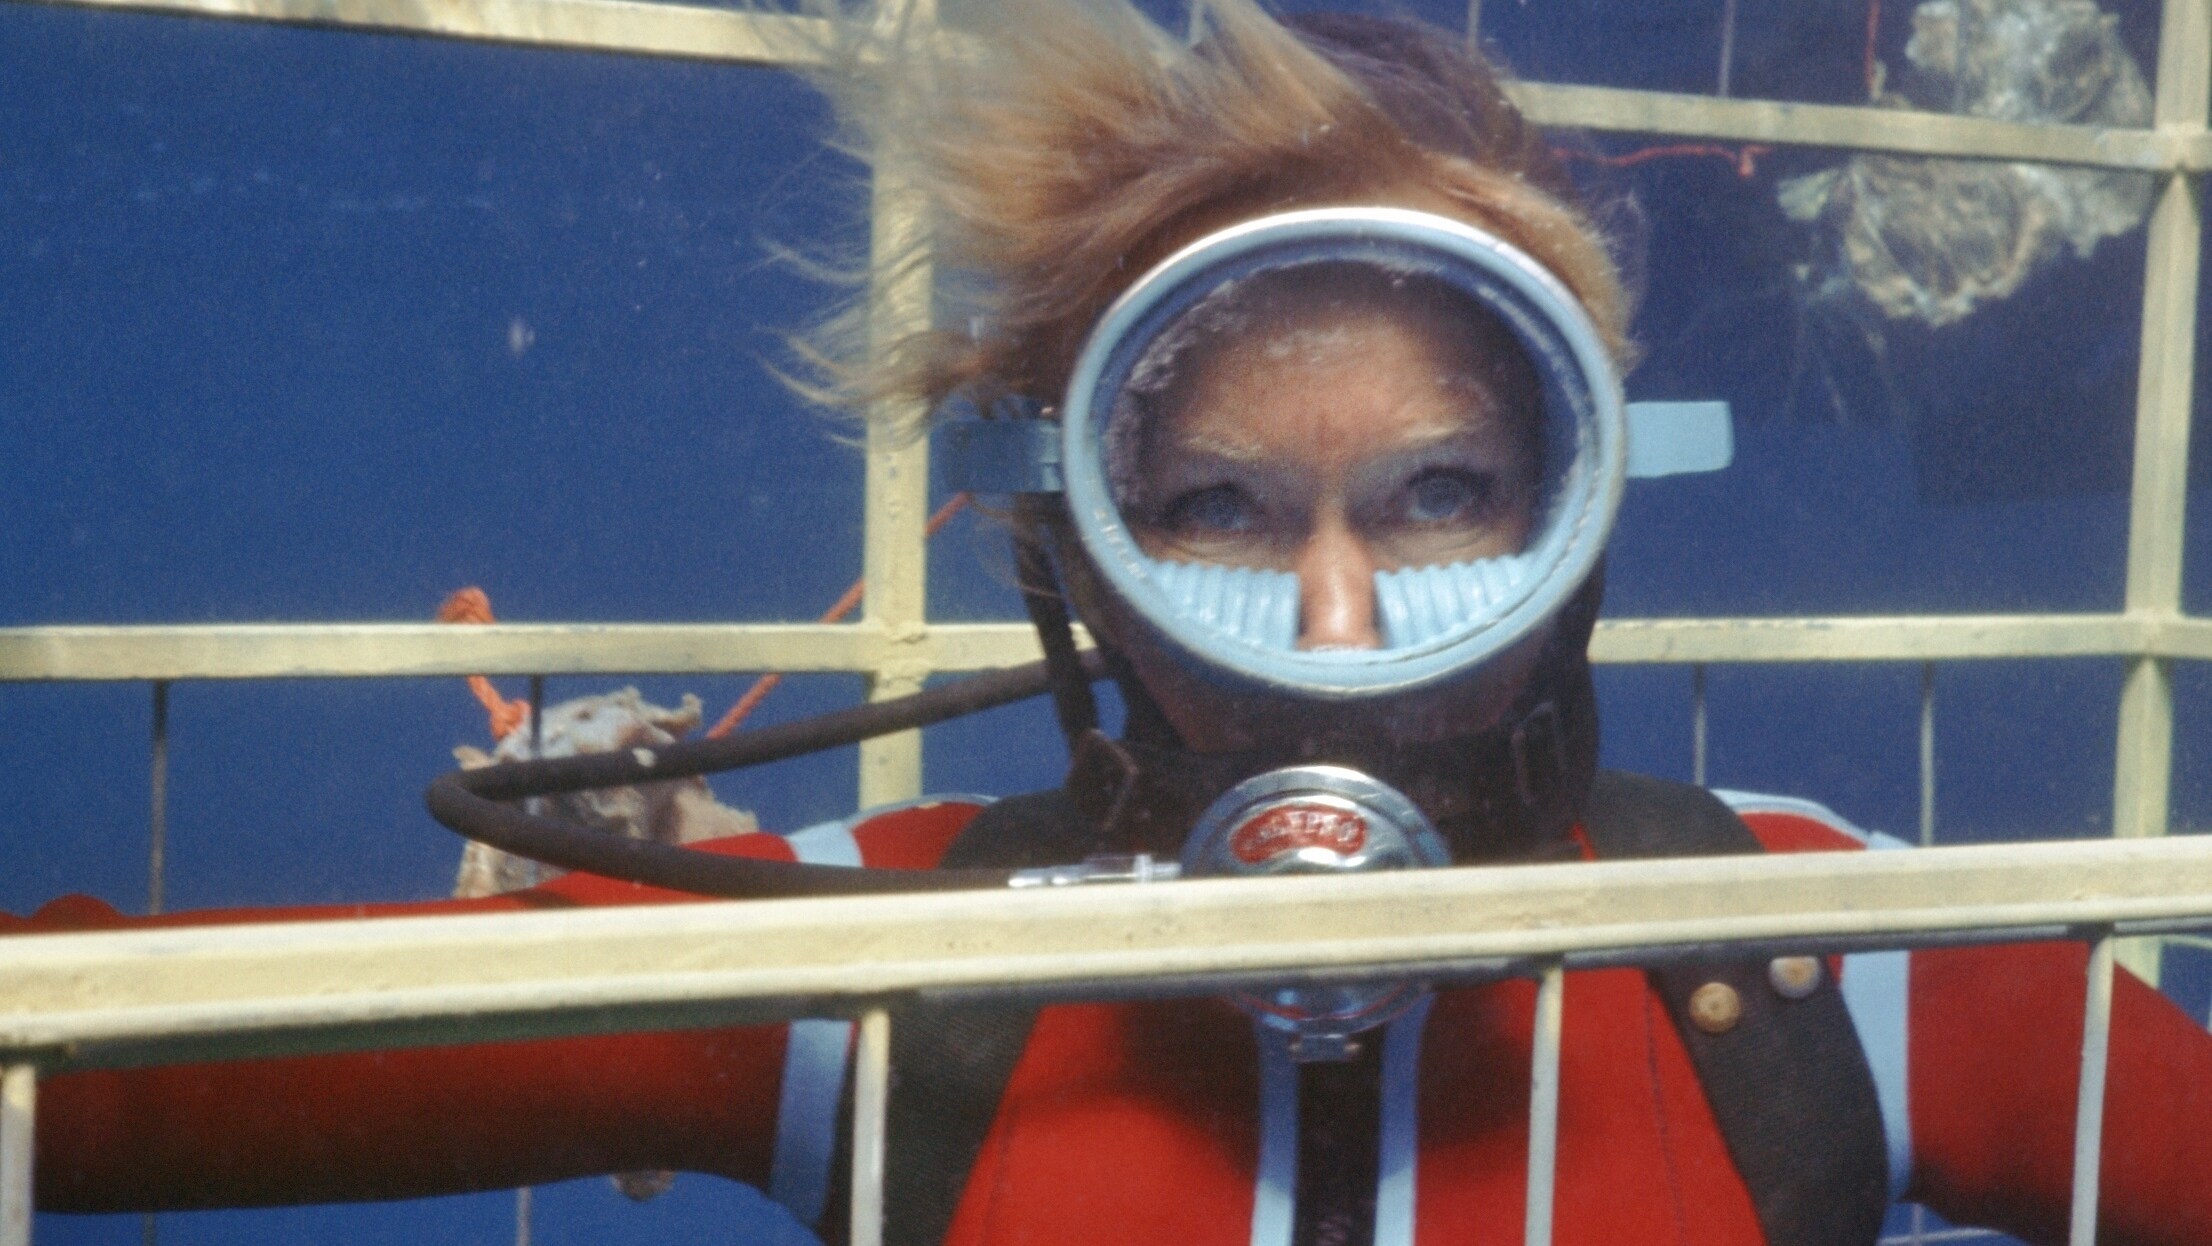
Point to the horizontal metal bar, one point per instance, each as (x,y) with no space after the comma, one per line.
(2180,637)
(160,991)
(320,650)
(1903,638)
(713,33)
(1896,130)
(350,650)
(698,32)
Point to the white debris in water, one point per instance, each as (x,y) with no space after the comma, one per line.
(668,811)
(1931,240)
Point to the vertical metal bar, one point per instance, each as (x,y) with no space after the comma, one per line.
(18,1128)
(896,503)
(1697,724)
(2096,1036)
(2145,764)
(1727,44)
(1543,1105)
(2143,777)
(1927,754)
(1474,24)
(2165,387)
(157,856)
(533,871)
(871,1099)
(157,813)
(1916,1231)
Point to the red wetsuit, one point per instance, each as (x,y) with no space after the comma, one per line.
(1162,1122)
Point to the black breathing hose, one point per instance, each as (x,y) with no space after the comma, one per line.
(471,802)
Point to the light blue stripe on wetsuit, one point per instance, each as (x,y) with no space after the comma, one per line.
(1400,1144)
(814,1058)
(1275,1192)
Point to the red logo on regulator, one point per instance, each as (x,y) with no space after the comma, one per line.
(1288,828)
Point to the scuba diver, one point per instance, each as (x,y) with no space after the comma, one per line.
(1300,362)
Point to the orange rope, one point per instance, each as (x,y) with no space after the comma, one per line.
(1745,158)
(845,605)
(1873,29)
(472,606)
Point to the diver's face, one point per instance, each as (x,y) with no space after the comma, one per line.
(1336,438)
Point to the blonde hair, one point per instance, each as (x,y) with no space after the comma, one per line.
(1074,143)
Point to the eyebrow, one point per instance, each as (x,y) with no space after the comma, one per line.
(1241,450)
(1244,452)
(1211,446)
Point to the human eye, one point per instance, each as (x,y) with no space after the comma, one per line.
(1448,495)
(1212,511)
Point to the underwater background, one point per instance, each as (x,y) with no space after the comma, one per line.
(306,325)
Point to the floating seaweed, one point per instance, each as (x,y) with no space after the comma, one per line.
(670,811)
(1931,240)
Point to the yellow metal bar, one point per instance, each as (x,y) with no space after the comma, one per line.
(2184,65)
(635,26)
(18,1116)
(2096,1044)
(1870,639)
(149,995)
(2144,761)
(713,33)
(354,650)
(871,1108)
(1860,129)
(2164,398)
(1543,1105)
(2183,639)
(296,650)
(896,562)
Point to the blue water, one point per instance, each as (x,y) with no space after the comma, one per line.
(304,325)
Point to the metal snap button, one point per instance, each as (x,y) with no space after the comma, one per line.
(1794,977)
(1715,1008)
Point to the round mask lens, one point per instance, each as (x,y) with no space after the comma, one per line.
(1390,377)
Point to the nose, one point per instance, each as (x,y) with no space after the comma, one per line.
(1336,590)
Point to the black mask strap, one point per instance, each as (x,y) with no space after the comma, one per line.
(1047,605)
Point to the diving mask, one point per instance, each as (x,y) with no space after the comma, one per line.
(1241,623)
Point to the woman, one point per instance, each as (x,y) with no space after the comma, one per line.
(1322,429)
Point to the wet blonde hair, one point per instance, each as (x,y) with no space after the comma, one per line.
(1073,143)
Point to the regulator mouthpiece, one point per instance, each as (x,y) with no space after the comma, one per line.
(1316,820)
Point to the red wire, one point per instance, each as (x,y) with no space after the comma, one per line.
(845,605)
(1873,29)
(472,605)
(1745,158)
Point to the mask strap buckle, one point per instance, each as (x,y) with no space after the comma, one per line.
(1102,779)
(1539,747)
